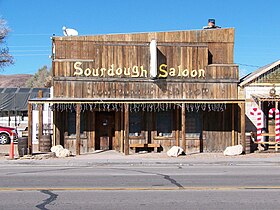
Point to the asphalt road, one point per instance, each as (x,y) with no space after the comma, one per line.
(140,187)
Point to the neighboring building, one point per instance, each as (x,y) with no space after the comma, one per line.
(146,91)
(14,109)
(261,90)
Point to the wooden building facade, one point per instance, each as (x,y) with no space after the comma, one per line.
(146,91)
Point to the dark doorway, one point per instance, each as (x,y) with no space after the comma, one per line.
(105,130)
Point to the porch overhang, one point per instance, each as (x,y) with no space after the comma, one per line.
(132,101)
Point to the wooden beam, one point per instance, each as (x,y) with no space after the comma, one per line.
(122,133)
(55,140)
(30,119)
(242,124)
(40,120)
(78,128)
(116,143)
(183,119)
(177,127)
(93,129)
(126,129)
(232,126)
(9,118)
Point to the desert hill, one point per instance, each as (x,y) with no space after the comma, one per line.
(14,80)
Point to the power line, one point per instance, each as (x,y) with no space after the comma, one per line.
(249,65)
(29,51)
(31,34)
(21,55)
(14,46)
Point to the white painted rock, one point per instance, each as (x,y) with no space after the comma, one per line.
(60,151)
(56,148)
(175,151)
(233,150)
(63,153)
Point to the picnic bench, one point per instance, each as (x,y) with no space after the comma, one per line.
(153,145)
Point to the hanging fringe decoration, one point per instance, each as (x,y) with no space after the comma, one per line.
(136,107)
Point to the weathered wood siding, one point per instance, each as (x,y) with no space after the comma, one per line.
(191,65)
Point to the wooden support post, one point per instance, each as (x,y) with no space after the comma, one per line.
(122,133)
(93,129)
(126,129)
(9,118)
(30,119)
(232,125)
(116,144)
(183,119)
(78,128)
(177,128)
(56,140)
(242,123)
(40,120)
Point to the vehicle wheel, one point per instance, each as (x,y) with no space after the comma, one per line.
(4,138)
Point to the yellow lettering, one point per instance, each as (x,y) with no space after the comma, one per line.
(144,72)
(179,71)
(127,71)
(102,72)
(111,72)
(185,73)
(119,71)
(135,71)
(163,72)
(87,72)
(172,72)
(95,72)
(201,73)
(79,71)
(194,73)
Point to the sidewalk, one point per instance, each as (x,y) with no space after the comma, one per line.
(104,158)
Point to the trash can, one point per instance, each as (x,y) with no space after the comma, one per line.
(22,146)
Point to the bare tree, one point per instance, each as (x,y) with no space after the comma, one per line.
(5,58)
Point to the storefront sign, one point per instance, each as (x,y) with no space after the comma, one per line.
(164,71)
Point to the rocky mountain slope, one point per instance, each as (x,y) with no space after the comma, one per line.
(14,80)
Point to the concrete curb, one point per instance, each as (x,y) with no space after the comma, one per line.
(117,159)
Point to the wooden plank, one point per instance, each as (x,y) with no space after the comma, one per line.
(30,120)
(93,130)
(126,129)
(78,127)
(122,130)
(232,125)
(117,131)
(183,130)
(242,124)
(144,145)
(177,137)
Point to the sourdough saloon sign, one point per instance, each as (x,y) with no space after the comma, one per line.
(163,70)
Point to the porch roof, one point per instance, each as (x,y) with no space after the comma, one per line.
(265,97)
(130,101)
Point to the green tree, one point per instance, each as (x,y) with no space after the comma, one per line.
(41,79)
(5,58)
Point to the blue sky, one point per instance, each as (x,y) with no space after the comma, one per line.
(33,22)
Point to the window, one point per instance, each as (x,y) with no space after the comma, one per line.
(164,120)
(136,120)
(72,123)
(193,124)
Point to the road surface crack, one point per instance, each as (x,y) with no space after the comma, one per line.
(52,198)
